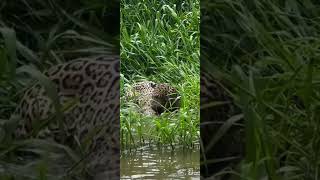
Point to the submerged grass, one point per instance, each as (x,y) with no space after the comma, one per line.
(269,52)
(160,42)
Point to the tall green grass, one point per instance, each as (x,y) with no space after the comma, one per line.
(160,42)
(269,52)
(34,35)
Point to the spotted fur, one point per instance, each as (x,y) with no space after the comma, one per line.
(94,83)
(154,98)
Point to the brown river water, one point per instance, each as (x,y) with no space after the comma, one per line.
(164,163)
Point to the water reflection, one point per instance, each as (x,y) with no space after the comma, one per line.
(165,163)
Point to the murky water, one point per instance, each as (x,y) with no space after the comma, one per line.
(152,163)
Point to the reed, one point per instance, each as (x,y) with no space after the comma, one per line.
(269,51)
(160,41)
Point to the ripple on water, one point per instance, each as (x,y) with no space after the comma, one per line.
(153,163)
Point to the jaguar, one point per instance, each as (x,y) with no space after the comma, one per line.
(154,98)
(92,84)
(94,81)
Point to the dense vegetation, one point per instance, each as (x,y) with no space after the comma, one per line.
(269,52)
(160,42)
(35,35)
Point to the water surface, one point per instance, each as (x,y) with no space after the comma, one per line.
(164,163)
